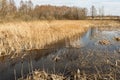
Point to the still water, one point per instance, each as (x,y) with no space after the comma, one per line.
(68,58)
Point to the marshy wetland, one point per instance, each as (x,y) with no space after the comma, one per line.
(77,50)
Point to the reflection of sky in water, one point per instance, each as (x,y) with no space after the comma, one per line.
(111,33)
(85,39)
(93,35)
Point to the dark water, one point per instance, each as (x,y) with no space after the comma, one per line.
(77,55)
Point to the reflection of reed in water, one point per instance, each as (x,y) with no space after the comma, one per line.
(15,73)
(23,69)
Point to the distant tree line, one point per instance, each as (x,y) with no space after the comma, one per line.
(26,11)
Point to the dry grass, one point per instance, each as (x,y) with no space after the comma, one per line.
(19,36)
(42,75)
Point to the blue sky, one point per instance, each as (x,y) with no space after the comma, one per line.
(111,7)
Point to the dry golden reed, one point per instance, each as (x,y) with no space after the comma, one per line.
(20,36)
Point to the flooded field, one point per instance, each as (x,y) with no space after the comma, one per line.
(96,54)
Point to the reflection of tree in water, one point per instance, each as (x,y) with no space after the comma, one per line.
(93,32)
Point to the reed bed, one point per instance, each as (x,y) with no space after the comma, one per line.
(16,37)
(21,36)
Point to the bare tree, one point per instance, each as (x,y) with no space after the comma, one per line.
(93,11)
(82,13)
(30,5)
(23,7)
(26,11)
(0,4)
(3,11)
(12,8)
(30,8)
(101,12)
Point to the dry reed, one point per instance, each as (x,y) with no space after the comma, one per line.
(20,36)
(16,37)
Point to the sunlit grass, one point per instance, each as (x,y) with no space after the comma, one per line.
(19,36)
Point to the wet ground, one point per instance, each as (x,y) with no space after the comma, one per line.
(86,53)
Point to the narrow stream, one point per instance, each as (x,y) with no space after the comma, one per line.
(67,59)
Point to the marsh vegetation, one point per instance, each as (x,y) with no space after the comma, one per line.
(60,49)
(46,42)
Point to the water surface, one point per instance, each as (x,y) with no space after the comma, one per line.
(80,53)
